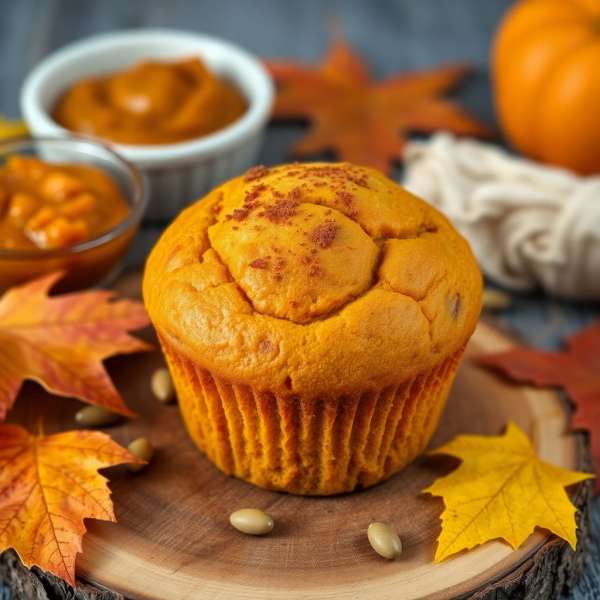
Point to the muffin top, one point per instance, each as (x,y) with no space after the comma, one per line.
(313,279)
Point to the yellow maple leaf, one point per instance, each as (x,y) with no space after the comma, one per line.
(12,129)
(48,486)
(502,489)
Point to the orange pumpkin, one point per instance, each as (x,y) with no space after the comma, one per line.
(546,74)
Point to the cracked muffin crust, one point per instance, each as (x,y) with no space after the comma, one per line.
(313,316)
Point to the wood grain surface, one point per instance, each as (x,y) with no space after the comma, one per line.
(173,538)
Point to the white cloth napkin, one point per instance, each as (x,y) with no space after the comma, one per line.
(528,225)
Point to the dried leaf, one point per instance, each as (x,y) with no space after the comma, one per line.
(12,129)
(60,342)
(501,490)
(363,121)
(577,370)
(48,486)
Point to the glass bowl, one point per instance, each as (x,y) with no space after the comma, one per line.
(94,262)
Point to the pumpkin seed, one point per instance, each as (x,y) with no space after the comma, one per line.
(162,385)
(96,416)
(384,540)
(252,521)
(142,448)
(495,299)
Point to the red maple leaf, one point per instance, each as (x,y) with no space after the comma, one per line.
(577,371)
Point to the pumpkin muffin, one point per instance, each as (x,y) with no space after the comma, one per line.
(313,317)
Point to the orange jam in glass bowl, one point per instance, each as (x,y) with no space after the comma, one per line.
(65,204)
(43,205)
(151,103)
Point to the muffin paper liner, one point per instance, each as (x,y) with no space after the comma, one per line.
(309,447)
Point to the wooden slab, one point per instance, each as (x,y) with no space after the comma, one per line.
(173,539)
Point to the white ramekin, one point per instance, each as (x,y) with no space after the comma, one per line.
(178,173)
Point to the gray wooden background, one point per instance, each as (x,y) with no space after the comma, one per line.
(391,34)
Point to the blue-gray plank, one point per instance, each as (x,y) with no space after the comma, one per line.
(391,34)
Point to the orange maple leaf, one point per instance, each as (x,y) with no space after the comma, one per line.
(48,486)
(60,342)
(363,121)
